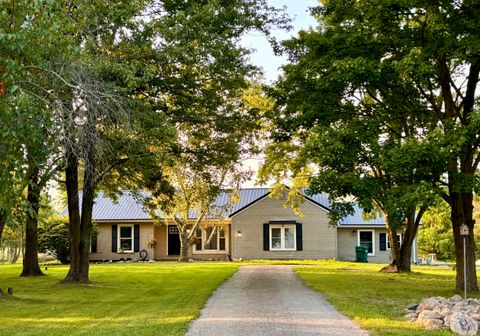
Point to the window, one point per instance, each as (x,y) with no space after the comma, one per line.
(173,230)
(221,239)
(211,239)
(399,237)
(365,238)
(282,237)
(125,238)
(198,239)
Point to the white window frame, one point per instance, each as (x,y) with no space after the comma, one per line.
(282,228)
(217,251)
(373,240)
(119,238)
(399,237)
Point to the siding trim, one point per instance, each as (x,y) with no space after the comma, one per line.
(308,199)
(321,206)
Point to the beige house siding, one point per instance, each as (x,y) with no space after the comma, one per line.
(319,240)
(348,239)
(104,241)
(161,243)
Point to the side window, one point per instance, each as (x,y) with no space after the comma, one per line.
(399,238)
(125,238)
(365,238)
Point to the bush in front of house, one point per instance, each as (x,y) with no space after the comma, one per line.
(53,238)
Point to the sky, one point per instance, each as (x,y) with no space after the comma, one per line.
(264,57)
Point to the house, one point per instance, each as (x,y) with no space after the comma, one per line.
(258,226)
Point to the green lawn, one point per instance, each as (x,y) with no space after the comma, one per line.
(161,298)
(376,300)
(124,299)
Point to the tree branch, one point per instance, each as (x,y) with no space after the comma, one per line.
(469,100)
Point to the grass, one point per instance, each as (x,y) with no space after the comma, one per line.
(377,300)
(124,299)
(162,298)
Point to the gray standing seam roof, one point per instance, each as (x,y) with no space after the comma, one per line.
(127,206)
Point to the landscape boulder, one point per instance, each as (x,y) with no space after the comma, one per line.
(458,315)
(463,324)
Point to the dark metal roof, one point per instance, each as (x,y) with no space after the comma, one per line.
(129,206)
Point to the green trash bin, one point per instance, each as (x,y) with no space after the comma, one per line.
(361,253)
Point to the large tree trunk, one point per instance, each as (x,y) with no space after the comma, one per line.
(394,250)
(80,265)
(409,234)
(30,256)
(80,224)
(402,257)
(462,212)
(73,203)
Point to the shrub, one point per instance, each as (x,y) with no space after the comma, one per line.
(53,237)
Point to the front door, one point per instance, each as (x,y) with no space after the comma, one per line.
(173,240)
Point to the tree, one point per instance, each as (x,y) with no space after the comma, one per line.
(435,236)
(362,158)
(111,75)
(13,238)
(203,75)
(173,74)
(53,237)
(24,87)
(337,131)
(12,244)
(191,192)
(429,51)
(60,86)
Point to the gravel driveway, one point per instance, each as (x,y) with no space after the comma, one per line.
(270,300)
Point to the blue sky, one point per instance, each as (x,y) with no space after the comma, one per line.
(264,57)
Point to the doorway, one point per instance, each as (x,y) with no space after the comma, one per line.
(173,241)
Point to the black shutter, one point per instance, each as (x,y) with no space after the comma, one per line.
(383,241)
(266,237)
(114,238)
(94,243)
(299,237)
(136,238)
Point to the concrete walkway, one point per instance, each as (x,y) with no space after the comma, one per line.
(270,300)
